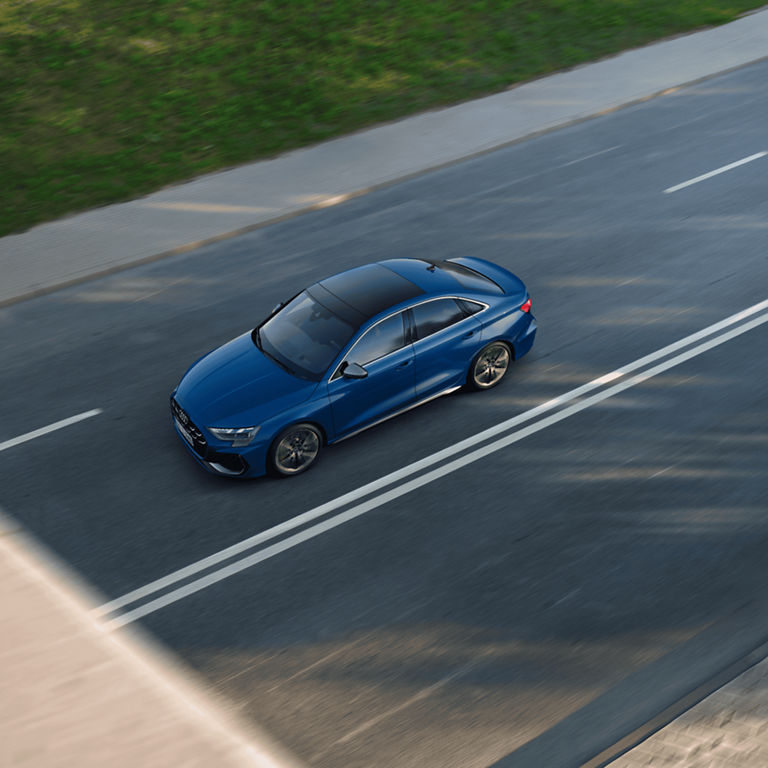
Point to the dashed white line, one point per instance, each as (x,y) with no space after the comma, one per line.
(487,190)
(589,157)
(50,428)
(716,172)
(428,477)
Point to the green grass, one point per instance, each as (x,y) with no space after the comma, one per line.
(103,100)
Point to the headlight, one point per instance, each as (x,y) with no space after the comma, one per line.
(238,436)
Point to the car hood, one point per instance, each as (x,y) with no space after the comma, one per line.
(237,385)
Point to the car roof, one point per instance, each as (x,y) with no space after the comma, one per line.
(363,292)
(423,273)
(360,293)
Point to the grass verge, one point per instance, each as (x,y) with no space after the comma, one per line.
(103,100)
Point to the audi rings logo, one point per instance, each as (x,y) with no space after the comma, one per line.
(179,413)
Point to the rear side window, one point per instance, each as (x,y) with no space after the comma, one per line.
(469,307)
(433,316)
(385,337)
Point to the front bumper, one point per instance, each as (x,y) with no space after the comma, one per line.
(212,458)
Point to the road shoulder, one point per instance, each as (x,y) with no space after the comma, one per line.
(74,694)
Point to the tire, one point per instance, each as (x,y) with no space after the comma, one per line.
(489,366)
(295,450)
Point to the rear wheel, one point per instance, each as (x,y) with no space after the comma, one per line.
(295,450)
(489,366)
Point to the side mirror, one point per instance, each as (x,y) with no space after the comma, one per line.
(354,371)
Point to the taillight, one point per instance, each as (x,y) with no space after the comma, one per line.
(526,307)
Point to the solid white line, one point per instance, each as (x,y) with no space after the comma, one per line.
(417,466)
(717,171)
(445,469)
(50,428)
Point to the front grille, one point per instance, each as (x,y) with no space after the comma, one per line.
(199,443)
(232,462)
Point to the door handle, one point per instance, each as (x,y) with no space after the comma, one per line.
(468,334)
(403,364)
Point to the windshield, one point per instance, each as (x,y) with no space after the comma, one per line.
(304,336)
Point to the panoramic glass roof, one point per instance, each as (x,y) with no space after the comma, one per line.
(370,289)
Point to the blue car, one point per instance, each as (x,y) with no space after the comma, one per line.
(346,353)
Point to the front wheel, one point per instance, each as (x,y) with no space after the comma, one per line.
(489,366)
(294,450)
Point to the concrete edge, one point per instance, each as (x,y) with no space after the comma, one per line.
(136,649)
(338,199)
(678,708)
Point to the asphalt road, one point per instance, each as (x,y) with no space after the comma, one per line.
(529,608)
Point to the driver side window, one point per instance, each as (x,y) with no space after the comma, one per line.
(383,338)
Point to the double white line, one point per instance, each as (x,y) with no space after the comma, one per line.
(215,567)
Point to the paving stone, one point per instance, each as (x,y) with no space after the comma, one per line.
(728,729)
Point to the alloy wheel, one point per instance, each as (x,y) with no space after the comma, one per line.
(491,365)
(296,450)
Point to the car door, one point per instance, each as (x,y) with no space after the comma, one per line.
(445,339)
(383,350)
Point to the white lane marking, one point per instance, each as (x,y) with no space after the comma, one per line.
(403,472)
(50,428)
(446,469)
(716,172)
(486,190)
(589,157)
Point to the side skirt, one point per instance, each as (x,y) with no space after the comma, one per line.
(397,413)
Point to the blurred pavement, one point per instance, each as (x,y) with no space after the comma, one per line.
(73,695)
